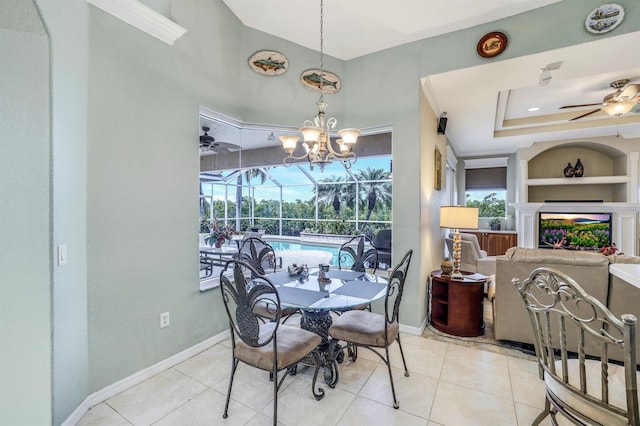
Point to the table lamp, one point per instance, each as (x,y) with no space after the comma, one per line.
(457,217)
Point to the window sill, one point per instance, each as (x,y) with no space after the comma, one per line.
(209,283)
(213,281)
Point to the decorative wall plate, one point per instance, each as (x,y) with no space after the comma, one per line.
(329,83)
(268,62)
(604,18)
(492,44)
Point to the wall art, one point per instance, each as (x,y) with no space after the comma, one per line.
(268,62)
(604,18)
(329,83)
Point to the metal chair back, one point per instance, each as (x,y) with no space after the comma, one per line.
(395,288)
(358,252)
(578,387)
(241,296)
(259,254)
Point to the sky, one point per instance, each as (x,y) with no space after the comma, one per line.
(295,183)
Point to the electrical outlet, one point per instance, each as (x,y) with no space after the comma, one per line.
(165,321)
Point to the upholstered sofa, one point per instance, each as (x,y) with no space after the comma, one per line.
(590,270)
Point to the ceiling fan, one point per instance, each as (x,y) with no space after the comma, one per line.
(208,144)
(619,102)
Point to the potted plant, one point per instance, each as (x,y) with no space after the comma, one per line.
(218,235)
(495,224)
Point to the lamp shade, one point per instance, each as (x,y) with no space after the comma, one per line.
(349,136)
(459,217)
(311,134)
(289,142)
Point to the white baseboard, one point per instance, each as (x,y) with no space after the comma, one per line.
(416,331)
(142,375)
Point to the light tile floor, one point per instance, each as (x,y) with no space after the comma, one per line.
(450,384)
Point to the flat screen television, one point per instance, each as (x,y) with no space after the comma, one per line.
(574,231)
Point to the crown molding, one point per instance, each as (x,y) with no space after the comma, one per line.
(142,17)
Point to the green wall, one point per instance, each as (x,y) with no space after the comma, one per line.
(25,218)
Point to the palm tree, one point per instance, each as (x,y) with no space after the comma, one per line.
(248,175)
(375,191)
(336,193)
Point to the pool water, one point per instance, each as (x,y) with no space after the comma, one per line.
(281,245)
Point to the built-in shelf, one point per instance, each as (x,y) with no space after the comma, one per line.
(590,180)
(611,176)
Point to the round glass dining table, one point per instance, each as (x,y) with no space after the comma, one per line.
(343,290)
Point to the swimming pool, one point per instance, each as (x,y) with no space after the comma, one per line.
(286,245)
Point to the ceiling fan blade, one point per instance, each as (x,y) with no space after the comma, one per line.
(580,105)
(226,145)
(219,149)
(584,115)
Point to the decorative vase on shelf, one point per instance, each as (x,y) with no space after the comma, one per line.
(569,171)
(578,169)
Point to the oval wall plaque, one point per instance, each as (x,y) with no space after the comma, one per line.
(329,83)
(268,62)
(492,44)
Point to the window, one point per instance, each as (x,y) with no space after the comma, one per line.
(486,188)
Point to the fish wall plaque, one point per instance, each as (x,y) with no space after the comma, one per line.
(329,83)
(268,62)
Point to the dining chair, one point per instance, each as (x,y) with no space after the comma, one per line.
(373,331)
(585,391)
(261,256)
(358,253)
(270,346)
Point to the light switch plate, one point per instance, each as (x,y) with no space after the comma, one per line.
(62,255)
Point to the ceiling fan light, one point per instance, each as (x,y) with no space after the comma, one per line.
(619,108)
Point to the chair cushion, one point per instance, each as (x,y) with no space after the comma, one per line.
(363,328)
(293,344)
(617,393)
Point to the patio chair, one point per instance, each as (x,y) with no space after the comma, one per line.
(271,346)
(382,242)
(370,330)
(585,391)
(261,256)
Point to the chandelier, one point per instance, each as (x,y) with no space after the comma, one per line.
(316,133)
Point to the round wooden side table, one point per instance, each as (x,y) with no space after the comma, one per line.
(456,305)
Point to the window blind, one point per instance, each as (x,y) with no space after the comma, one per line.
(486,179)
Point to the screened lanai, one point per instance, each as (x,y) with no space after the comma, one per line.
(288,200)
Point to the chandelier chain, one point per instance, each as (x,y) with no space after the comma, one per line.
(321,49)
(316,133)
